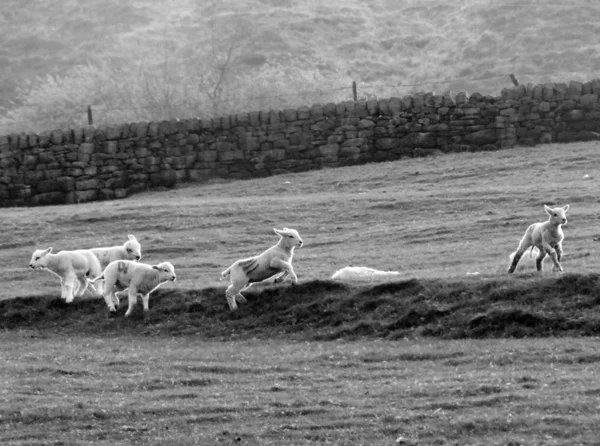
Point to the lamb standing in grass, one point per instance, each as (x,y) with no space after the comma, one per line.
(277,259)
(72,267)
(140,278)
(547,237)
(130,250)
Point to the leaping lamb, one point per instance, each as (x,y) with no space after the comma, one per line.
(275,260)
(547,237)
(72,268)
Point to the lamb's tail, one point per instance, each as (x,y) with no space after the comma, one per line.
(226,273)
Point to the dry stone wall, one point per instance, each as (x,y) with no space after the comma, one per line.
(106,163)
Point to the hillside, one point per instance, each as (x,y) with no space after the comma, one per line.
(136,60)
(478,308)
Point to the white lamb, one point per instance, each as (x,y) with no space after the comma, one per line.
(275,260)
(140,278)
(130,250)
(359,273)
(72,268)
(547,237)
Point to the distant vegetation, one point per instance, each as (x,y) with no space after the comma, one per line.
(144,60)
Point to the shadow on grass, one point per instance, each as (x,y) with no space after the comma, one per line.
(507,307)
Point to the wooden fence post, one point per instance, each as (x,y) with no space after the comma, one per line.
(354,93)
(89,113)
(514,79)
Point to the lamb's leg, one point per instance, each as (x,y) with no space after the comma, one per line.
(132,295)
(554,256)
(232,293)
(281,277)
(239,297)
(109,300)
(116,299)
(69,288)
(145,298)
(559,251)
(518,254)
(97,289)
(539,260)
(557,266)
(63,289)
(82,286)
(287,270)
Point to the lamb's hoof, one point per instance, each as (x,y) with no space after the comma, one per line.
(112,314)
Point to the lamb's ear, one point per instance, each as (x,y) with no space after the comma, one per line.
(548,210)
(49,250)
(277,231)
(566,208)
(132,237)
(156,267)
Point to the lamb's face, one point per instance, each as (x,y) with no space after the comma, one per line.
(166,271)
(290,237)
(39,259)
(558,216)
(133,248)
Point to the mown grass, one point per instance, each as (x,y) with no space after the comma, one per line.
(184,391)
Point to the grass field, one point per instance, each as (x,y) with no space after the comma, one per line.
(188,391)
(321,363)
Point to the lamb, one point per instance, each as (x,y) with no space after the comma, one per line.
(275,260)
(363,273)
(72,267)
(140,278)
(547,237)
(130,250)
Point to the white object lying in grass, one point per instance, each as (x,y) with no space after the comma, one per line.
(363,273)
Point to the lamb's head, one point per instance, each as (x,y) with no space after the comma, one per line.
(289,237)
(39,258)
(133,248)
(166,271)
(558,216)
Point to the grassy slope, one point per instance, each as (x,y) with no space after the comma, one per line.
(378,42)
